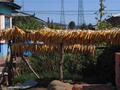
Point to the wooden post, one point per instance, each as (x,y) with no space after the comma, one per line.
(61,61)
(117,70)
(10,72)
(10,67)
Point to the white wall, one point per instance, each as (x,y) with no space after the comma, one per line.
(10,22)
(2,22)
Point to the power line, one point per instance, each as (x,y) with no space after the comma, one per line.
(70,11)
(58,13)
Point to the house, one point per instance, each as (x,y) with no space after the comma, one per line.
(114,20)
(7,7)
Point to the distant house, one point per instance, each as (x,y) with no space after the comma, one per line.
(7,7)
(114,20)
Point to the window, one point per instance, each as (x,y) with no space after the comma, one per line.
(7,22)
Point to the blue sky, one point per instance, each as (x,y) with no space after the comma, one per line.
(54,5)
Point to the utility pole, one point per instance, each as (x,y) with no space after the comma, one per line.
(62,16)
(81,20)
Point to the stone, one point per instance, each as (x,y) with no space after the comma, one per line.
(58,85)
(77,87)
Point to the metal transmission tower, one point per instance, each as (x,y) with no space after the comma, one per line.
(62,16)
(80,13)
(23,5)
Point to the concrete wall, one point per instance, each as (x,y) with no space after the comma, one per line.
(5,11)
(3,44)
(3,51)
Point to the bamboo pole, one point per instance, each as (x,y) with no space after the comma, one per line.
(30,67)
(61,62)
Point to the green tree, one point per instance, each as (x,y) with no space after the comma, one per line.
(53,25)
(90,26)
(83,26)
(71,25)
(104,25)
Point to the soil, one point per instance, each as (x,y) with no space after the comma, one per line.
(38,89)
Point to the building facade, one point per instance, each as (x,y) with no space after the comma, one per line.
(7,8)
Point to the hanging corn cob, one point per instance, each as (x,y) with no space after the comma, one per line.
(20,48)
(63,36)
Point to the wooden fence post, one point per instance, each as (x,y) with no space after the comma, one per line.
(61,61)
(117,70)
(10,66)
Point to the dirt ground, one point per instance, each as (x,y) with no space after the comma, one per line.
(38,89)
